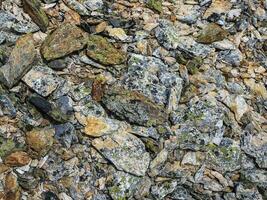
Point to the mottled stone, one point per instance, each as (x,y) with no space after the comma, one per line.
(40,140)
(20,60)
(6,146)
(168,36)
(211,33)
(7,107)
(66,39)
(151,77)
(123,186)
(233,57)
(134,107)
(225,157)
(93,5)
(125,151)
(100,50)
(66,134)
(36,12)
(160,190)
(77,6)
(42,80)
(17,159)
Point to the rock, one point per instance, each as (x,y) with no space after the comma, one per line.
(7,107)
(66,134)
(151,77)
(232,57)
(99,126)
(6,146)
(66,39)
(27,181)
(58,64)
(134,107)
(224,45)
(255,146)
(34,9)
(19,62)
(42,80)
(155,5)
(161,190)
(224,158)
(93,5)
(50,195)
(117,33)
(218,7)
(211,33)
(78,7)
(181,193)
(123,186)
(55,112)
(125,151)
(17,159)
(100,50)
(40,140)
(168,36)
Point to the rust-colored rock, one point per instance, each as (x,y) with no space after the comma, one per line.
(17,159)
(20,60)
(40,140)
(66,39)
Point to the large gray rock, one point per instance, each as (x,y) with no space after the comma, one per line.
(125,151)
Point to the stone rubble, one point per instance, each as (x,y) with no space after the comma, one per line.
(137,99)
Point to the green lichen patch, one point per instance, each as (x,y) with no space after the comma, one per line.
(100,50)
(155,5)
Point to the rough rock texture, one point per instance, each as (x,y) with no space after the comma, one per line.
(100,50)
(67,38)
(133,99)
(125,151)
(134,107)
(19,62)
(36,12)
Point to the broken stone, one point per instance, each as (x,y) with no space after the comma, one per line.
(19,62)
(17,159)
(134,107)
(36,12)
(42,80)
(211,33)
(125,151)
(99,126)
(100,50)
(66,39)
(40,140)
(123,186)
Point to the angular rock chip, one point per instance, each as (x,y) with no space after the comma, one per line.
(17,159)
(34,9)
(224,158)
(155,5)
(125,151)
(42,80)
(98,126)
(168,36)
(100,50)
(212,33)
(20,60)
(151,77)
(134,107)
(66,39)
(40,140)
(123,185)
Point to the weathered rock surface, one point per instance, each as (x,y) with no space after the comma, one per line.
(19,62)
(36,12)
(100,50)
(125,151)
(134,107)
(42,80)
(66,39)
(211,33)
(17,159)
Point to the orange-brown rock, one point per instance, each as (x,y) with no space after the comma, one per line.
(17,159)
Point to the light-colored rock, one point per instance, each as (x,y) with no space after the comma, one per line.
(125,151)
